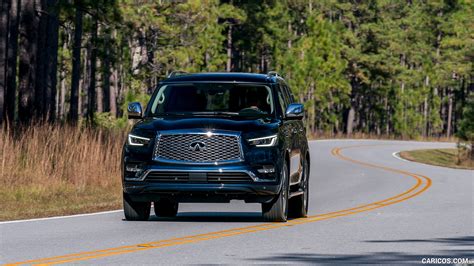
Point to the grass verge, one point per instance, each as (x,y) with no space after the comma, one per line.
(35,202)
(451,158)
(49,170)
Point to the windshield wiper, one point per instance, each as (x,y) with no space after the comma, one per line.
(227,114)
(218,113)
(222,113)
(198,113)
(169,114)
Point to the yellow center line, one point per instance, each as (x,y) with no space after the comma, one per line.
(421,185)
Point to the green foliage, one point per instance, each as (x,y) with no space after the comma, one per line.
(108,121)
(395,64)
(466,126)
(315,68)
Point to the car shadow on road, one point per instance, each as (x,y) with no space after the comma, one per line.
(231,217)
(380,257)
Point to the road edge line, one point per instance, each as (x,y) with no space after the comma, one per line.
(59,217)
(397,155)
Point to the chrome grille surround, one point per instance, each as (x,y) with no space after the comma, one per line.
(220,147)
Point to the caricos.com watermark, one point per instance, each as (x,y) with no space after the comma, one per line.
(447,261)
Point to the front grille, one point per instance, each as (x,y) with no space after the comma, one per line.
(236,177)
(173,177)
(206,177)
(217,148)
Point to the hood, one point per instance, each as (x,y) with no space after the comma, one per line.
(149,126)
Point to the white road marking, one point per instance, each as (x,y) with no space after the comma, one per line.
(58,217)
(396,155)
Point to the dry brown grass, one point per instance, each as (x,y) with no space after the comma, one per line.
(53,170)
(452,158)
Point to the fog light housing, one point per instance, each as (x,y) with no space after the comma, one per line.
(266,169)
(133,168)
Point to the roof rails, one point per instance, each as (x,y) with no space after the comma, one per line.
(177,73)
(273,74)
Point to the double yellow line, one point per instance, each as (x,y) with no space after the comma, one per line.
(422,184)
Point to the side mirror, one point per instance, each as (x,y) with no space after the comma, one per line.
(135,110)
(294,111)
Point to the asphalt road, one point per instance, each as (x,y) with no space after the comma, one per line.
(366,206)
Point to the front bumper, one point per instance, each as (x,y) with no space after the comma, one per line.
(260,188)
(201,192)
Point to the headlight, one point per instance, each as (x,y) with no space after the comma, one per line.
(264,141)
(137,140)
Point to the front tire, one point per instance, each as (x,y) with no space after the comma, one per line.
(165,208)
(135,211)
(277,210)
(299,204)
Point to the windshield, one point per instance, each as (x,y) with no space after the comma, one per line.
(213,99)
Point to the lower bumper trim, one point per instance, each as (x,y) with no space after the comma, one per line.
(205,192)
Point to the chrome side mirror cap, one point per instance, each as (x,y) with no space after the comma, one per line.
(294,111)
(135,110)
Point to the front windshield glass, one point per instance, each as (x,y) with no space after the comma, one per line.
(213,99)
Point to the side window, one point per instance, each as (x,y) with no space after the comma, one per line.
(290,97)
(282,98)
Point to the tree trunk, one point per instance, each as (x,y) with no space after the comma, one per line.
(91,92)
(3,54)
(106,75)
(52,59)
(114,82)
(312,114)
(62,99)
(12,54)
(62,96)
(84,81)
(387,116)
(76,64)
(404,112)
(290,30)
(113,92)
(425,109)
(41,59)
(27,61)
(229,49)
(262,62)
(450,113)
(425,117)
(350,121)
(99,92)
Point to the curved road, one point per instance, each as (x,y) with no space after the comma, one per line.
(366,206)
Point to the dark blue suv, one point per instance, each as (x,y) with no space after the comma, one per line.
(216,137)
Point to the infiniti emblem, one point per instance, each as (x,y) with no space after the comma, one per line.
(197,146)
